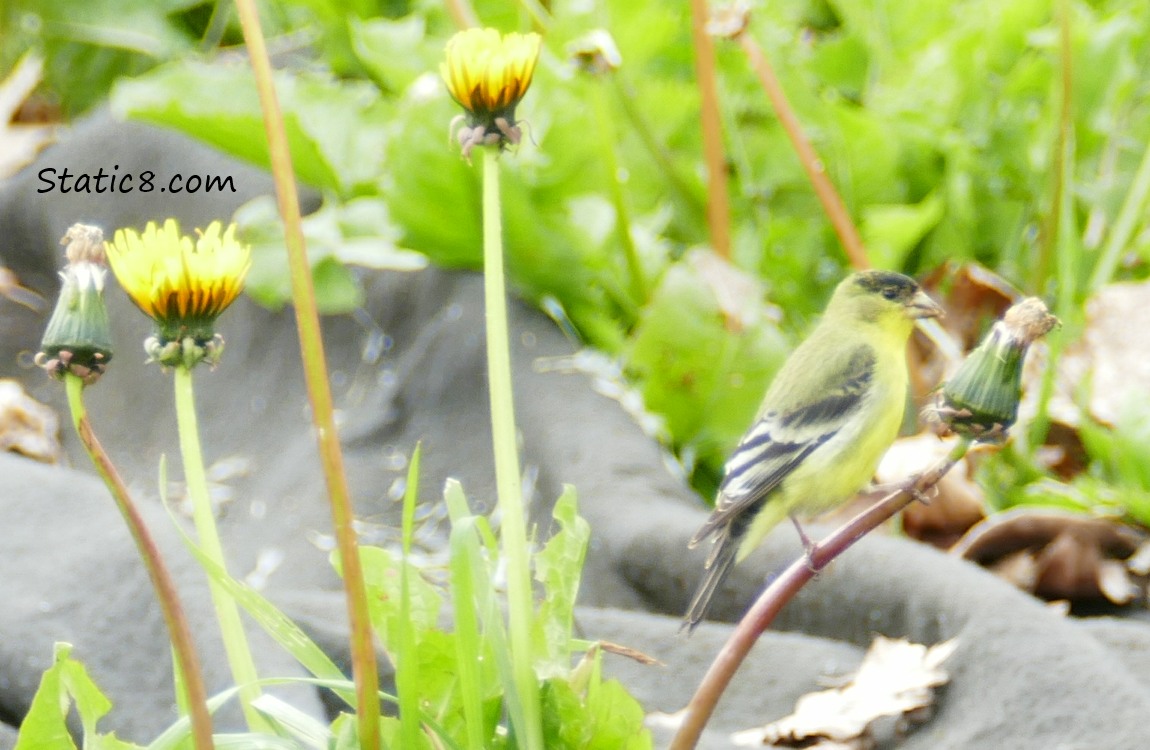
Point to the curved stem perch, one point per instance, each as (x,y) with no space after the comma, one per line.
(784,588)
(179,632)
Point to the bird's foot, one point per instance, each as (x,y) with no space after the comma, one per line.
(809,547)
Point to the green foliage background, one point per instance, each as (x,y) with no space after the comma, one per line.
(938,121)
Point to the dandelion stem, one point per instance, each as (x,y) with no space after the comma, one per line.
(783,588)
(231,627)
(507,478)
(832,202)
(195,696)
(622,216)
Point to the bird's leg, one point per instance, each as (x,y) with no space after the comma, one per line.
(808,545)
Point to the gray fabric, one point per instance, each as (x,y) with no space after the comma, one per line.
(1022,676)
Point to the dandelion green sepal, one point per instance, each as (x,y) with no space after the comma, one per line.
(981,400)
(78,338)
(487,73)
(182,283)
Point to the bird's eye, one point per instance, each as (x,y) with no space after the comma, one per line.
(890,293)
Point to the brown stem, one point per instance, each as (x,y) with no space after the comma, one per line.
(784,588)
(318,387)
(832,202)
(180,634)
(718,202)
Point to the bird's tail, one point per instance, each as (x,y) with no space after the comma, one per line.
(719,564)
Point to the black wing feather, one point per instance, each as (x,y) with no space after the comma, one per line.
(763,459)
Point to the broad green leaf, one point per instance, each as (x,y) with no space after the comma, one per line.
(355,233)
(890,232)
(703,377)
(397,52)
(382,572)
(335,129)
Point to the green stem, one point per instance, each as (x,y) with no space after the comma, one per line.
(318,388)
(694,202)
(228,614)
(180,634)
(1132,211)
(507,476)
(622,216)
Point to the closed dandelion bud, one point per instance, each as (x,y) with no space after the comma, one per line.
(78,338)
(981,400)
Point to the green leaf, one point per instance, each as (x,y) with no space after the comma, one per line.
(704,378)
(63,685)
(471,648)
(383,574)
(289,721)
(559,567)
(274,622)
(407,667)
(89,45)
(335,129)
(356,233)
(618,719)
(890,232)
(394,53)
(566,724)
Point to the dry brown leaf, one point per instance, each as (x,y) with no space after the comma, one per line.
(27,426)
(1057,554)
(975,297)
(631,653)
(896,679)
(1139,562)
(1020,568)
(958,502)
(19,144)
(1108,366)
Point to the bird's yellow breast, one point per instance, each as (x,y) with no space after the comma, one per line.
(839,468)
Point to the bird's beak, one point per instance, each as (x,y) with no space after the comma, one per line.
(922,306)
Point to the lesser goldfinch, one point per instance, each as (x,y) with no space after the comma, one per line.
(832,411)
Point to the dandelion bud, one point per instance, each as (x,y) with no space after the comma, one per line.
(78,338)
(981,400)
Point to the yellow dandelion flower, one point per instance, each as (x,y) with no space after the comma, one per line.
(180,282)
(487,73)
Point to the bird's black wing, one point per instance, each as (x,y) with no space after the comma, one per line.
(781,439)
